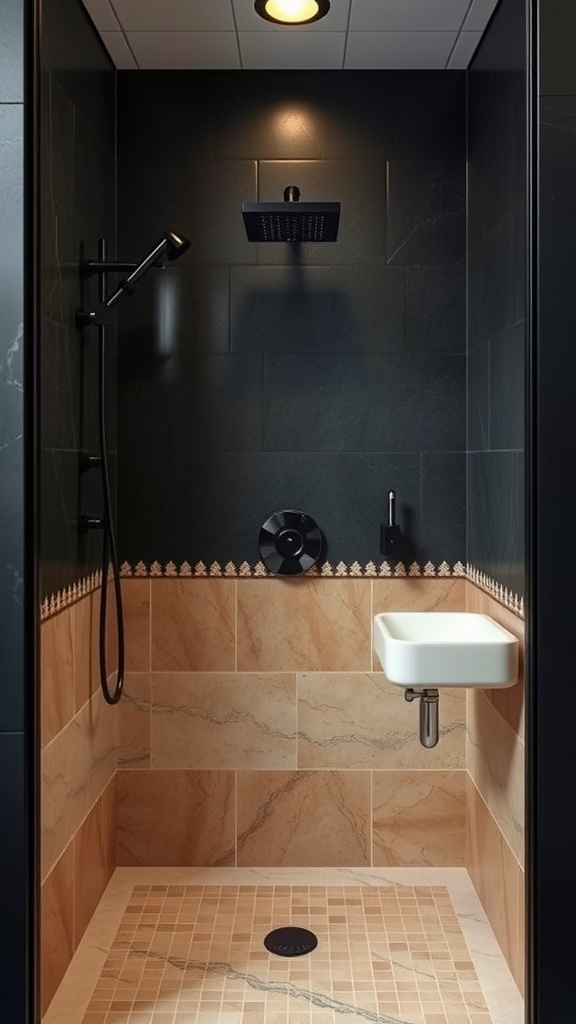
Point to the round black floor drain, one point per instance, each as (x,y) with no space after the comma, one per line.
(290,941)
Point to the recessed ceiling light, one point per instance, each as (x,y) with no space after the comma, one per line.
(292,12)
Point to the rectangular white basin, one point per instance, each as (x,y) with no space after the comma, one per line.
(431,649)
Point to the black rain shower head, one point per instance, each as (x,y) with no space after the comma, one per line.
(291,221)
(171,245)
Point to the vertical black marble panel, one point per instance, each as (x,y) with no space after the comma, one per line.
(11,415)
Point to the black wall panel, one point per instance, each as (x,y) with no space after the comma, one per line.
(497,197)
(77,206)
(312,376)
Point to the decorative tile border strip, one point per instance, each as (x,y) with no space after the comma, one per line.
(502,594)
(70,595)
(76,591)
(230,570)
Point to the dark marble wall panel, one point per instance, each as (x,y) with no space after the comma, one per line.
(312,376)
(11,412)
(77,206)
(497,267)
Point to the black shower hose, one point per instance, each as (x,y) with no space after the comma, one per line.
(109,547)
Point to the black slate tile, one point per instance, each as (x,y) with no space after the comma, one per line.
(166,114)
(66,555)
(223,500)
(507,387)
(426,212)
(60,386)
(184,306)
(210,403)
(478,420)
(201,199)
(444,506)
(436,308)
(312,309)
(430,115)
(306,115)
(360,188)
(364,402)
(495,516)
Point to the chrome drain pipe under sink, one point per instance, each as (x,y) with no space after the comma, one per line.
(428,714)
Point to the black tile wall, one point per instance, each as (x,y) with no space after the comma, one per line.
(311,376)
(16,575)
(77,207)
(497,267)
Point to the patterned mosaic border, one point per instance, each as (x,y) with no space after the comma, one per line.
(76,591)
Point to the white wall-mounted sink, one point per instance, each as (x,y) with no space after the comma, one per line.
(430,649)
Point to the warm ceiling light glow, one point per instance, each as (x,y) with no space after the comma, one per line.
(292,12)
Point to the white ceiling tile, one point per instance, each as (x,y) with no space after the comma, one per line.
(407,15)
(287,51)
(248,21)
(115,43)
(463,51)
(479,15)
(102,15)
(398,50)
(189,50)
(175,15)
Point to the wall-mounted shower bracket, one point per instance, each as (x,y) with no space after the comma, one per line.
(429,700)
(101,317)
(89,267)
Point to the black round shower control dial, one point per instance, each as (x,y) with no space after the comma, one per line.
(290,542)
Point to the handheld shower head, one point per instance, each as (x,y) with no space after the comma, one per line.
(170,245)
(176,245)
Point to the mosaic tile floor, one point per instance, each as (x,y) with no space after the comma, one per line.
(189,953)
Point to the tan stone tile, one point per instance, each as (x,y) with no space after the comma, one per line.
(419,818)
(418,594)
(493,870)
(509,700)
(193,625)
(136,604)
(90,875)
(518,958)
(134,721)
(304,625)
(85,621)
(110,822)
(360,720)
(56,674)
(224,720)
(495,760)
(76,767)
(56,926)
(292,819)
(175,817)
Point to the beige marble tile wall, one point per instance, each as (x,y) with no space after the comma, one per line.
(79,739)
(257,730)
(496,765)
